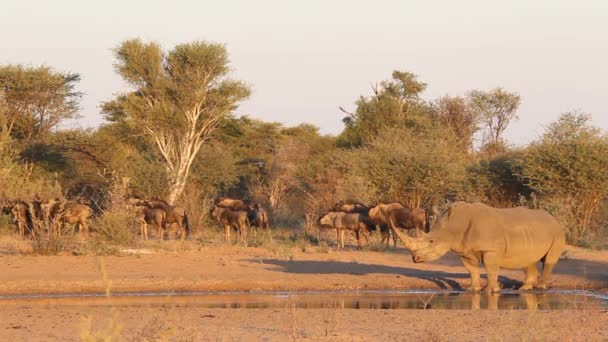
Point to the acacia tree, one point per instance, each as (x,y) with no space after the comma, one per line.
(395,103)
(180,98)
(36,100)
(456,114)
(496,109)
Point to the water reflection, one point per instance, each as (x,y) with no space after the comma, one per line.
(339,300)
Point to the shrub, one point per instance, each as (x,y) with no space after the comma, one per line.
(568,168)
(119,227)
(52,244)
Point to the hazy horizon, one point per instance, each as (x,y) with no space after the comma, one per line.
(303,60)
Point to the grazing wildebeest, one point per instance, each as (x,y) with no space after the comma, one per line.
(237,219)
(59,212)
(146,215)
(509,238)
(258,217)
(173,215)
(396,215)
(342,221)
(76,214)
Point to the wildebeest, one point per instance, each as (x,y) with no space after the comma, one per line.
(146,215)
(173,215)
(76,214)
(237,219)
(342,221)
(509,238)
(58,212)
(354,207)
(232,203)
(396,215)
(258,217)
(21,216)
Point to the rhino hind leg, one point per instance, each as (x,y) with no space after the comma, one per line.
(531,277)
(549,262)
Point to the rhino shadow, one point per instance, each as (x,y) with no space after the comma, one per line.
(444,280)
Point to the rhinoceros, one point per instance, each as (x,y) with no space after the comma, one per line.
(516,238)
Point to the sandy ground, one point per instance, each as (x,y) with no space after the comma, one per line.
(256,269)
(183,323)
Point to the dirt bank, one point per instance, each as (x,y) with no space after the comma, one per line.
(256,269)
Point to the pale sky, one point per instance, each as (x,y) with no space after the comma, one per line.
(304,59)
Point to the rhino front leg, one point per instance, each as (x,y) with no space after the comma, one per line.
(531,277)
(490,260)
(472,265)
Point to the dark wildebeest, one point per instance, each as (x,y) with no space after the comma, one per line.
(21,216)
(356,207)
(342,221)
(237,219)
(146,215)
(258,217)
(173,215)
(396,215)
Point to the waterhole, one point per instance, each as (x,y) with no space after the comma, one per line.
(411,299)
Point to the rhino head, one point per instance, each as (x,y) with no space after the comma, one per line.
(428,248)
(431,246)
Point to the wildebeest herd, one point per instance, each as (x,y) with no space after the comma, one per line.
(362,220)
(39,215)
(51,215)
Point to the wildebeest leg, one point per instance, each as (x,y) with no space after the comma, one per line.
(244,233)
(338,237)
(85,227)
(394,239)
(21,229)
(385,235)
(342,238)
(490,260)
(227,229)
(472,265)
(531,277)
(358,236)
(143,230)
